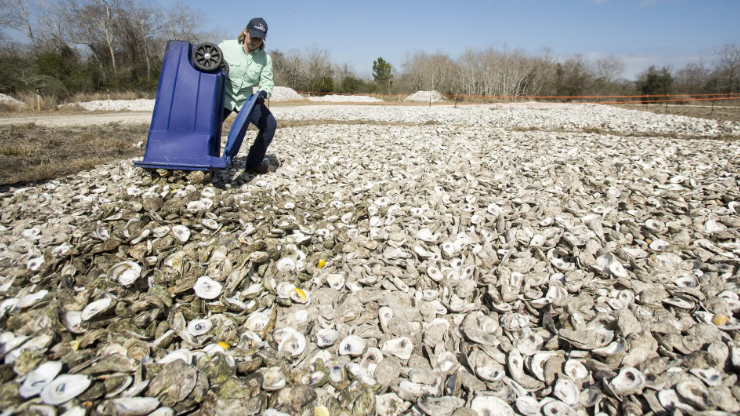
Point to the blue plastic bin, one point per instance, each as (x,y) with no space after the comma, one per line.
(185,133)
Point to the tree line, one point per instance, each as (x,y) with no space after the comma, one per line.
(505,72)
(72,46)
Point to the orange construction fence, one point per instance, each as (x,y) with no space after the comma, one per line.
(625,99)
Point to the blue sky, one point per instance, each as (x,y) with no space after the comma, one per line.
(641,32)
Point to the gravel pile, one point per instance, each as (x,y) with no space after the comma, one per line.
(535,117)
(425,96)
(346,99)
(284,94)
(118,105)
(278,94)
(6,99)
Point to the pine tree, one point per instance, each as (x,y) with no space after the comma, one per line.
(656,81)
(382,73)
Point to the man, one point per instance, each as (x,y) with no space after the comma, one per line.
(250,65)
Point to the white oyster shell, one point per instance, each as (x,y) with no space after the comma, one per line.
(491,406)
(207,288)
(352,345)
(326,337)
(400,347)
(39,378)
(95,308)
(64,388)
(199,327)
(126,272)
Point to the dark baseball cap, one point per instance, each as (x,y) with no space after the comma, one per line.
(257,28)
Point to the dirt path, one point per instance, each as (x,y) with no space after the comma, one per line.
(68,120)
(138,117)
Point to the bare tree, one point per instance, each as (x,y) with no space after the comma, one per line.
(341,72)
(83,32)
(468,69)
(97,18)
(6,10)
(431,71)
(609,68)
(318,61)
(149,23)
(294,67)
(182,23)
(54,23)
(15,14)
(105,22)
(729,61)
(692,79)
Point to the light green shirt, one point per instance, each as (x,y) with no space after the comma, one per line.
(245,71)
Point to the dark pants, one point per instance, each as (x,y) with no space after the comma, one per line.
(265,122)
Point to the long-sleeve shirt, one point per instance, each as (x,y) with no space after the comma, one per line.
(245,71)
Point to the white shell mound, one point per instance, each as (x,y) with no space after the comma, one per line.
(534,259)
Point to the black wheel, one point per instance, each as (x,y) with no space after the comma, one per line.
(207,57)
(225,67)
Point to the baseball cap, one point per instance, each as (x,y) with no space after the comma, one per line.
(257,28)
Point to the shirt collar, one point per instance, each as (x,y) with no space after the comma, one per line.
(245,52)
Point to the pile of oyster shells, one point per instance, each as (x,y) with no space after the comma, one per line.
(424,270)
(538,116)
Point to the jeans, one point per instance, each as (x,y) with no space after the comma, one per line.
(265,122)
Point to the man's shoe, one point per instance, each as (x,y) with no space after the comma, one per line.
(257,170)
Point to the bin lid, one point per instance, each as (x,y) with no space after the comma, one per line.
(239,130)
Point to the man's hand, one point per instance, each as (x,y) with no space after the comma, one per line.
(261,95)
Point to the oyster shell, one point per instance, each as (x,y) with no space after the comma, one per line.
(199,327)
(37,379)
(628,381)
(490,405)
(326,337)
(126,272)
(352,345)
(207,288)
(98,307)
(64,388)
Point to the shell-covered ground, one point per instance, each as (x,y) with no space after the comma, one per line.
(482,260)
(333,98)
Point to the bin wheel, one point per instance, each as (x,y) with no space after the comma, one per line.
(225,67)
(207,57)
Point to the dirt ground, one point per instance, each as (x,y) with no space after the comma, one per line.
(79,120)
(35,153)
(16,114)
